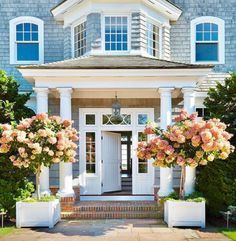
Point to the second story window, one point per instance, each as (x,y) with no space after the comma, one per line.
(116,33)
(80,40)
(207,40)
(153,40)
(26,40)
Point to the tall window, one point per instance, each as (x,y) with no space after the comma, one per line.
(153,40)
(26,40)
(91,152)
(207,40)
(116,33)
(80,40)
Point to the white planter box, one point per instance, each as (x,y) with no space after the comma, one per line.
(38,214)
(182,213)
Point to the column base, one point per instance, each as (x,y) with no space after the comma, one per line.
(66,193)
(43,193)
(164,192)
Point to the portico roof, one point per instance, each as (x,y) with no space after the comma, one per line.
(115,62)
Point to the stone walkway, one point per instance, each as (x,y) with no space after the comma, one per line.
(115,230)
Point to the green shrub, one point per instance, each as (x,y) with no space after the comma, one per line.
(13,182)
(217,181)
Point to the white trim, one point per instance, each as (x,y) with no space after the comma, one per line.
(221,38)
(103,42)
(12,26)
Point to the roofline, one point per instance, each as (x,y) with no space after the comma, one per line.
(60,8)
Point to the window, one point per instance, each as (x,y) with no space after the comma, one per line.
(109,119)
(153,40)
(142,119)
(207,40)
(142,164)
(90,152)
(116,33)
(202,112)
(90,119)
(26,40)
(80,39)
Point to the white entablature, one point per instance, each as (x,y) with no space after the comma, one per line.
(71,10)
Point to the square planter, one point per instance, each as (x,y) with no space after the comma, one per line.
(182,213)
(38,214)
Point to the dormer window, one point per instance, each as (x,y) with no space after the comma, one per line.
(207,40)
(116,33)
(153,40)
(80,40)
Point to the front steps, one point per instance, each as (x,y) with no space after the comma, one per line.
(113,210)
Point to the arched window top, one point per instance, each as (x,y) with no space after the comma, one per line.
(26,40)
(207,40)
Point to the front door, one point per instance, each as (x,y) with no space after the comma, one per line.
(111,162)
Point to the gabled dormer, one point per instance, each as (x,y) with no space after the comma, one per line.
(125,28)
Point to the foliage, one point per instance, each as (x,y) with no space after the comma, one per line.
(37,141)
(230,233)
(220,176)
(42,199)
(188,142)
(13,184)
(7,230)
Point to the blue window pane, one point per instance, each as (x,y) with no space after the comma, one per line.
(113,46)
(113,37)
(34,28)
(199,36)
(19,27)
(207,26)
(118,20)
(107,38)
(119,37)
(214,27)
(124,20)
(125,30)
(27,52)
(207,36)
(118,46)
(107,29)
(107,20)
(113,29)
(34,37)
(118,29)
(142,119)
(125,46)
(26,26)
(27,37)
(199,27)
(206,52)
(125,37)
(113,20)
(107,46)
(214,36)
(19,36)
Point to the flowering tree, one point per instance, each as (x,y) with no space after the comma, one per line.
(186,143)
(37,141)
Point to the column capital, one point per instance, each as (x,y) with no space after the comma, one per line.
(188,90)
(165,90)
(43,90)
(65,91)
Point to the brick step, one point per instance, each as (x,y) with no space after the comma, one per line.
(111,215)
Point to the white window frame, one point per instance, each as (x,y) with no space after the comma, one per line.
(13,45)
(116,52)
(221,39)
(80,21)
(160,26)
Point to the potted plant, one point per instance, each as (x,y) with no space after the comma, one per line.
(40,140)
(188,142)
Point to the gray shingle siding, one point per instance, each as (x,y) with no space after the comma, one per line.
(180,30)
(53,32)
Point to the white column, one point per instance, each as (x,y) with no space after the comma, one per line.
(66,175)
(189,106)
(166,174)
(42,107)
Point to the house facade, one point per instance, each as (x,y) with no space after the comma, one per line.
(86,60)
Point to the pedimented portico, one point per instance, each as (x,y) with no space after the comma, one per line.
(84,89)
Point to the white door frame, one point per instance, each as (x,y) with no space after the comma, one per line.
(91,184)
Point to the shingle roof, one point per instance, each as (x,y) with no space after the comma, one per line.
(115,62)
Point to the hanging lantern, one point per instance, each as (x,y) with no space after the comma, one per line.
(116,106)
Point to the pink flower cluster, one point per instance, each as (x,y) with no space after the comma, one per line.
(39,140)
(188,143)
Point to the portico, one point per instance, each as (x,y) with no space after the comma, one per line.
(72,81)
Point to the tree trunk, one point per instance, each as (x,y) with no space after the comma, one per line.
(182,182)
(38,184)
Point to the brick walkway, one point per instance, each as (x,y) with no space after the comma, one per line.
(115,230)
